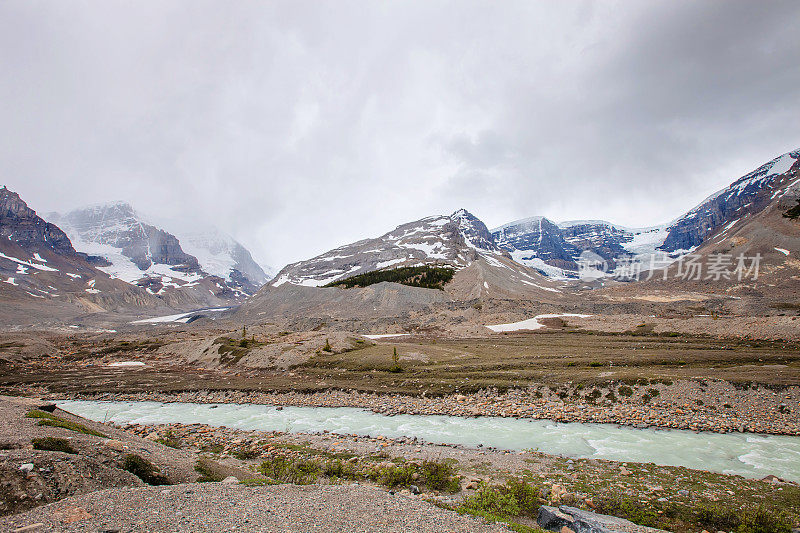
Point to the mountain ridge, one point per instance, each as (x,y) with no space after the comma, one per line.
(146,255)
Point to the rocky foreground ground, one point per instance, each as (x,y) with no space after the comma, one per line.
(59,472)
(214,507)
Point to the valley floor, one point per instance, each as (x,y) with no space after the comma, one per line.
(639,378)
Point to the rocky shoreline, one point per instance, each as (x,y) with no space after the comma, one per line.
(690,405)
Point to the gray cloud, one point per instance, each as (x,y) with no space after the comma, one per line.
(300,126)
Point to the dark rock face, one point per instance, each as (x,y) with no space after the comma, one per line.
(473,231)
(20,224)
(540,238)
(158,246)
(600,237)
(561,245)
(749,194)
(243,282)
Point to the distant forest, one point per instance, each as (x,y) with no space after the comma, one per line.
(428,277)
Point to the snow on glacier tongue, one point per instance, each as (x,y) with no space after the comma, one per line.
(125,269)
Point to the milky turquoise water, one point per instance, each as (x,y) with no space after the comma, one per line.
(750,455)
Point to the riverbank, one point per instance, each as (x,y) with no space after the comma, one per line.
(673,498)
(714,406)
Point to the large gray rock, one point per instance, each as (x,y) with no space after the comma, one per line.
(552,519)
(580,521)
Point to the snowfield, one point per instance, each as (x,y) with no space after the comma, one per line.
(531,323)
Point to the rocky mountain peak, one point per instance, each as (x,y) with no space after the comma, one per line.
(474,232)
(20,224)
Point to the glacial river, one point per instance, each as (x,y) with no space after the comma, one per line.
(747,454)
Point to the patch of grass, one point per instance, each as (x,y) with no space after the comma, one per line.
(755,520)
(435,475)
(212,448)
(246,454)
(49,419)
(624,390)
(169,439)
(231,350)
(53,444)
(628,509)
(208,474)
(299,472)
(144,470)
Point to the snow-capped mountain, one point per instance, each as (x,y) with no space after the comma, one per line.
(455,240)
(41,274)
(142,254)
(748,195)
(221,255)
(555,249)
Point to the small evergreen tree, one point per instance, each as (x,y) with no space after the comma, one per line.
(395,362)
(244,331)
(327,347)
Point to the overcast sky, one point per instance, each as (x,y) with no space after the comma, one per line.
(300,126)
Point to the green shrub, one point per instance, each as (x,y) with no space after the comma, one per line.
(624,390)
(246,454)
(628,509)
(301,472)
(208,472)
(53,444)
(144,470)
(169,439)
(494,501)
(758,520)
(49,419)
(339,469)
(595,364)
(396,476)
(439,475)
(762,521)
(515,498)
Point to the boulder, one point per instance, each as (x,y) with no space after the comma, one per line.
(552,519)
(580,521)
